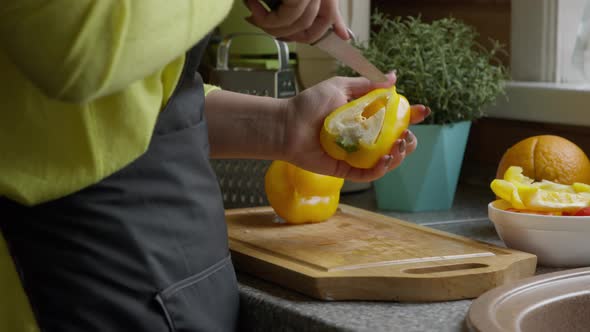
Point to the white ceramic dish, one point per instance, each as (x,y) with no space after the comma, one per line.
(557,241)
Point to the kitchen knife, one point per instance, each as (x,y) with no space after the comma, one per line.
(349,55)
(342,51)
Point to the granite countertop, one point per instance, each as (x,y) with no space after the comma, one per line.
(268,307)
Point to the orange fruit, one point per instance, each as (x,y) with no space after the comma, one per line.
(547,157)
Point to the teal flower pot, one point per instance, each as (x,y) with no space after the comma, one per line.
(427,179)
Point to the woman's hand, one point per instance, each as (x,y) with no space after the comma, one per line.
(306,113)
(303,21)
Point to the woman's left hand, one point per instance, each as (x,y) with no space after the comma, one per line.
(303,21)
(306,113)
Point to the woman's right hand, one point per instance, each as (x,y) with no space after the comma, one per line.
(303,21)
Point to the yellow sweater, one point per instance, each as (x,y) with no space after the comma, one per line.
(82,83)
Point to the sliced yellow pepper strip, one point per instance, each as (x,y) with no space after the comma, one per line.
(581,187)
(299,196)
(545,196)
(364,130)
(508,192)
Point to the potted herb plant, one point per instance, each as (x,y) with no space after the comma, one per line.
(441,65)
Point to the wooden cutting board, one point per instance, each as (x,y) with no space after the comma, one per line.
(361,255)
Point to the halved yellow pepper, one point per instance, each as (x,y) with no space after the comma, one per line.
(299,196)
(364,130)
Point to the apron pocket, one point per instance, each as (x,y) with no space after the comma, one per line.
(207,301)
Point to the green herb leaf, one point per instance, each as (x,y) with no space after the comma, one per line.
(438,64)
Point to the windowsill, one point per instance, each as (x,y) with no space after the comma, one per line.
(544,102)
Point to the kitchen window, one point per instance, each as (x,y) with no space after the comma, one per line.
(545,85)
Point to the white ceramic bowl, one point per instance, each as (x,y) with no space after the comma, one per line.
(557,241)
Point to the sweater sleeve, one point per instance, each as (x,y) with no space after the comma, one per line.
(80,50)
(210,88)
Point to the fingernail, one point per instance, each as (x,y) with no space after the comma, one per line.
(428,111)
(410,137)
(402,146)
(388,160)
(392,74)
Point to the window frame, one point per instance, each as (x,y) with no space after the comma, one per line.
(544,88)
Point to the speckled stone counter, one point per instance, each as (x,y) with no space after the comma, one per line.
(268,307)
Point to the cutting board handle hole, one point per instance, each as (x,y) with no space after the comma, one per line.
(446,268)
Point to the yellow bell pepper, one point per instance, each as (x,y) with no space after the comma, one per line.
(299,196)
(364,130)
(524,193)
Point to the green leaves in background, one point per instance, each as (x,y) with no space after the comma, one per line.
(438,64)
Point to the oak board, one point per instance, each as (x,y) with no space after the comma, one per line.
(361,255)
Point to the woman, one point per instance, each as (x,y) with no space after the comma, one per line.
(105,134)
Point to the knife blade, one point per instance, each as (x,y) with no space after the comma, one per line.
(349,55)
(342,51)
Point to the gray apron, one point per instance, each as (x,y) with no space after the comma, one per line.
(143,250)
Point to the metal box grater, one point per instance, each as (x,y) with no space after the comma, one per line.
(242,180)
(279,83)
